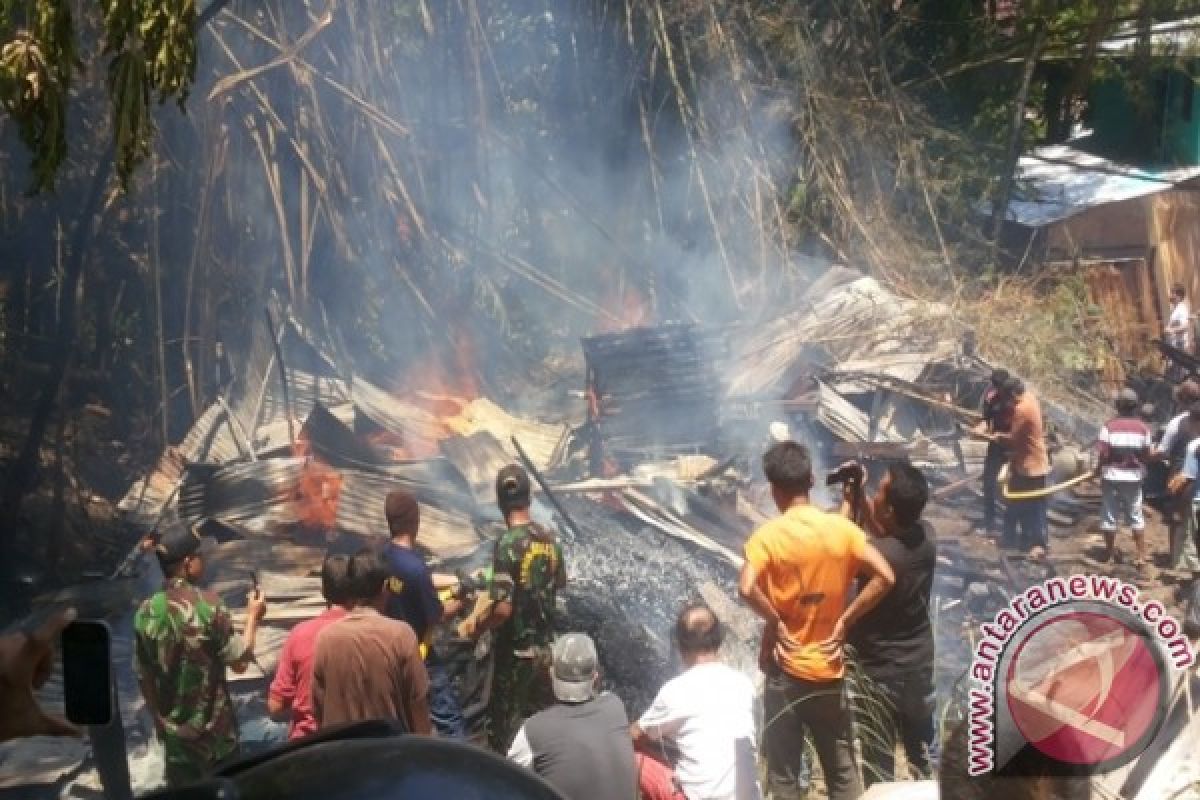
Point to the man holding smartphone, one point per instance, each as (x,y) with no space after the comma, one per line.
(184,639)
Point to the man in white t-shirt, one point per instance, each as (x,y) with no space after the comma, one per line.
(1179,324)
(705,716)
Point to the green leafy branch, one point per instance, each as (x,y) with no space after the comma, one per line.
(152,45)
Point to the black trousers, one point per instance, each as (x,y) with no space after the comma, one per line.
(792,708)
(896,707)
(996,457)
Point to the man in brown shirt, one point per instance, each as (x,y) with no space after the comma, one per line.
(1028,470)
(368,666)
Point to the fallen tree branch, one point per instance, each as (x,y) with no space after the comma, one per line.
(289,54)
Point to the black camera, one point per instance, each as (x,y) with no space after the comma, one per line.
(849,474)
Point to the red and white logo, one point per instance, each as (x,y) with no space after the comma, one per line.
(1085,687)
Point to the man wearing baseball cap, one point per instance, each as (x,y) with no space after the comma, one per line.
(581,745)
(183,641)
(527,572)
(996,417)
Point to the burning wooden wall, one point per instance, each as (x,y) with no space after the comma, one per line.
(652,393)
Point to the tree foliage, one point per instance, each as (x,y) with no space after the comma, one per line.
(434,177)
(151,50)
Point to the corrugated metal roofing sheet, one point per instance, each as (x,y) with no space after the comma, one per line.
(261,498)
(421,429)
(541,441)
(859,320)
(1058,181)
(905,366)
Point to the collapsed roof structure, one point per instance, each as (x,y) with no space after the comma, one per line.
(301,452)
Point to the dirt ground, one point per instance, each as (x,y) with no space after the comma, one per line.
(1076,544)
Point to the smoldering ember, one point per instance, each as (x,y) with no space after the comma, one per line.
(847,326)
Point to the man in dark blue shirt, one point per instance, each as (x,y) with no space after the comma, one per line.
(413,598)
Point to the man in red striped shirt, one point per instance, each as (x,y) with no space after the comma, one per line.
(1124,446)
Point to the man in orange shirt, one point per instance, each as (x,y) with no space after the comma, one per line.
(798,574)
(1028,470)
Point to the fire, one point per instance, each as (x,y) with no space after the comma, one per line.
(445,380)
(630,308)
(314,497)
(438,389)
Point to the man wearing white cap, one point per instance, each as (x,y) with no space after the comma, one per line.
(581,745)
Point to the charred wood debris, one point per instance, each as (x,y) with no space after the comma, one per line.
(675,419)
(651,472)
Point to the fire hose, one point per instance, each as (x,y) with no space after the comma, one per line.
(1034,494)
(1068,462)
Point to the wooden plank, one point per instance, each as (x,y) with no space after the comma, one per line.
(894,450)
(1124,291)
(646,509)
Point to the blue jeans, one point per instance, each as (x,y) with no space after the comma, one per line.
(1027,516)
(444,708)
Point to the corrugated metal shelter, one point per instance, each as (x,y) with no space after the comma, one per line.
(1130,233)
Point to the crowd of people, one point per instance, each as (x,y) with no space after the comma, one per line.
(846,653)
(816,578)
(1128,452)
(843,595)
(847,646)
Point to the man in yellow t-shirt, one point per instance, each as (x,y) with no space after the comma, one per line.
(798,574)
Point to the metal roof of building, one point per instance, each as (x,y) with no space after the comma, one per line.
(1059,181)
(1178,37)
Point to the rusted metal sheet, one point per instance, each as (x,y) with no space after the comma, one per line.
(1124,292)
(279,495)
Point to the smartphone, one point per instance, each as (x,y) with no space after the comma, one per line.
(87,672)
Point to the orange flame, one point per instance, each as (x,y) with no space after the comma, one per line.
(444,381)
(314,497)
(630,309)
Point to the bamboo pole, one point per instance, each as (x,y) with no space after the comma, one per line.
(199,239)
(160,350)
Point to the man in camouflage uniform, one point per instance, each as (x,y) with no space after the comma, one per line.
(527,571)
(184,639)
